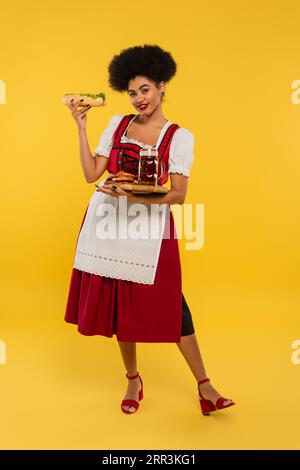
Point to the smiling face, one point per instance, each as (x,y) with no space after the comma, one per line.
(142,90)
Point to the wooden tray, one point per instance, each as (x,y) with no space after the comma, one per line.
(142,188)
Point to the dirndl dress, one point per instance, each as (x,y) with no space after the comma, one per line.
(112,304)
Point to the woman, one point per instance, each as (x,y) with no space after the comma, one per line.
(132,288)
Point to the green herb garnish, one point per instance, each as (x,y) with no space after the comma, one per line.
(99,95)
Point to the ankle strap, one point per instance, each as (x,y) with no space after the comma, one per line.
(130,377)
(203,381)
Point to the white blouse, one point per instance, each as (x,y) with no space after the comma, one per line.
(181,155)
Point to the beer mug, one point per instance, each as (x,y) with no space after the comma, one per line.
(149,166)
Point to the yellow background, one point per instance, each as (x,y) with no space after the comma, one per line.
(236,63)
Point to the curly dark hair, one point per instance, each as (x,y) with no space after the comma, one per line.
(148,60)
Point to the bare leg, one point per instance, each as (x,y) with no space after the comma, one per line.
(191,352)
(128,351)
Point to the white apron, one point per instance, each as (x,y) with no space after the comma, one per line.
(133,253)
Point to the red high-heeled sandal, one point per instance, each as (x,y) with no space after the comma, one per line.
(128,401)
(207,406)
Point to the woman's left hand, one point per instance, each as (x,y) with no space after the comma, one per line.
(116,192)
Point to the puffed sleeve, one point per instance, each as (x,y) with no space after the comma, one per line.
(105,141)
(181,154)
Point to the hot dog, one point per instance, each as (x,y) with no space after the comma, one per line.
(88,99)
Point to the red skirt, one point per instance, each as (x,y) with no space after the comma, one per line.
(133,311)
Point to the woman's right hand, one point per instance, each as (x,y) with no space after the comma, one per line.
(79,114)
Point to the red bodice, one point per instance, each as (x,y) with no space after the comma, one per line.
(125,155)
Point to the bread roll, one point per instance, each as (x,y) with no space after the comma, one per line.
(87,100)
